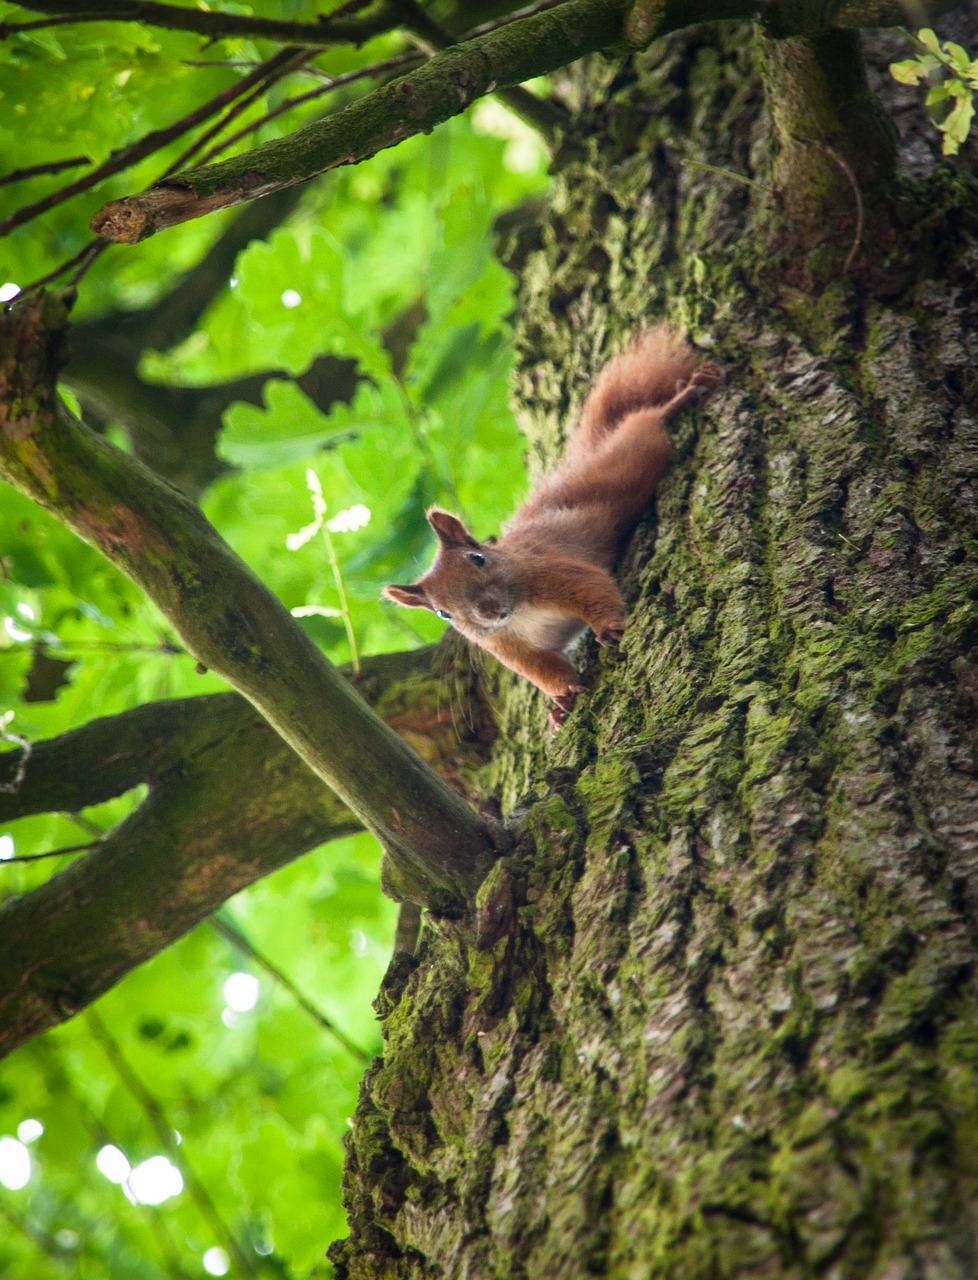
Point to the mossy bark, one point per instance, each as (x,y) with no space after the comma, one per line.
(717,1014)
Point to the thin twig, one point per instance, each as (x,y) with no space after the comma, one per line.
(154,1113)
(350,7)
(231,933)
(507,18)
(15,28)
(857,195)
(543,116)
(332,29)
(85,257)
(727,173)
(148,144)
(344,603)
(240,64)
(51,853)
(405,61)
(38,170)
(234,110)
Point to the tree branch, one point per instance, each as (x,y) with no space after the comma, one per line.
(229,803)
(232,934)
(544,116)
(415,103)
(171,318)
(153,1110)
(216,24)
(38,170)
(153,141)
(446,86)
(439,848)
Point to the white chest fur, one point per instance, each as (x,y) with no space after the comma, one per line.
(544,628)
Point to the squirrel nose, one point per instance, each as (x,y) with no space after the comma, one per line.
(493,610)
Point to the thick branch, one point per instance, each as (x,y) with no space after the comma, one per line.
(225,616)
(415,103)
(446,86)
(229,803)
(215,24)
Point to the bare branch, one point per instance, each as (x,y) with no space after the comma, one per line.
(53,853)
(332,29)
(415,103)
(229,802)
(231,933)
(38,170)
(402,63)
(241,103)
(546,117)
(166,1136)
(82,260)
(151,142)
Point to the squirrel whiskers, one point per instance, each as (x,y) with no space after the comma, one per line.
(527,595)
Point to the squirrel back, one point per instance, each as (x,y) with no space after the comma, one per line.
(525,596)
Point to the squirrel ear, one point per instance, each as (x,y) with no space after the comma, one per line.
(411,594)
(451,531)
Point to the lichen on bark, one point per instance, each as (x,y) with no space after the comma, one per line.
(715,1014)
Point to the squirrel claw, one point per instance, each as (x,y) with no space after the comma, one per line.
(610,637)
(707,376)
(563,705)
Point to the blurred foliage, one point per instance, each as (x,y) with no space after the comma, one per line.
(257,1101)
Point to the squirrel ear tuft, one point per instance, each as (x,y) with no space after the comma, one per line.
(411,594)
(450,529)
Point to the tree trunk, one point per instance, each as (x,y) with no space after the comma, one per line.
(717,1015)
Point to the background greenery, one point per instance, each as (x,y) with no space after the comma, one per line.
(252,1105)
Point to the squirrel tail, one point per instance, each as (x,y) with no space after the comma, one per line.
(645,375)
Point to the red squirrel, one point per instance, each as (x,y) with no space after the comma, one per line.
(528,594)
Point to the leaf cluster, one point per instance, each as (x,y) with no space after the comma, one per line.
(951,99)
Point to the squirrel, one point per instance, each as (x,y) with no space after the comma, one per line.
(528,594)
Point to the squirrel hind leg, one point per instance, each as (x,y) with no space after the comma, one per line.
(688,390)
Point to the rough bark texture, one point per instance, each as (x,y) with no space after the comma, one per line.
(717,1016)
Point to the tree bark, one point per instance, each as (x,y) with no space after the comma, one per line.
(715,1015)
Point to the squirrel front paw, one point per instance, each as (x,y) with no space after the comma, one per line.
(609,636)
(563,705)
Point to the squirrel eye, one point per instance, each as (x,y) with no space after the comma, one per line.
(444,614)
(477,558)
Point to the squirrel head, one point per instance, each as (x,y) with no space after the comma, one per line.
(471,584)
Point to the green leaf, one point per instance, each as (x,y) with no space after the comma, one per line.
(289,429)
(913,70)
(960,59)
(957,125)
(930,41)
(939,92)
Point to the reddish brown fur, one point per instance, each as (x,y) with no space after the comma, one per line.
(523,597)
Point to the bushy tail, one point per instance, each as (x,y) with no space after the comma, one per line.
(646,374)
